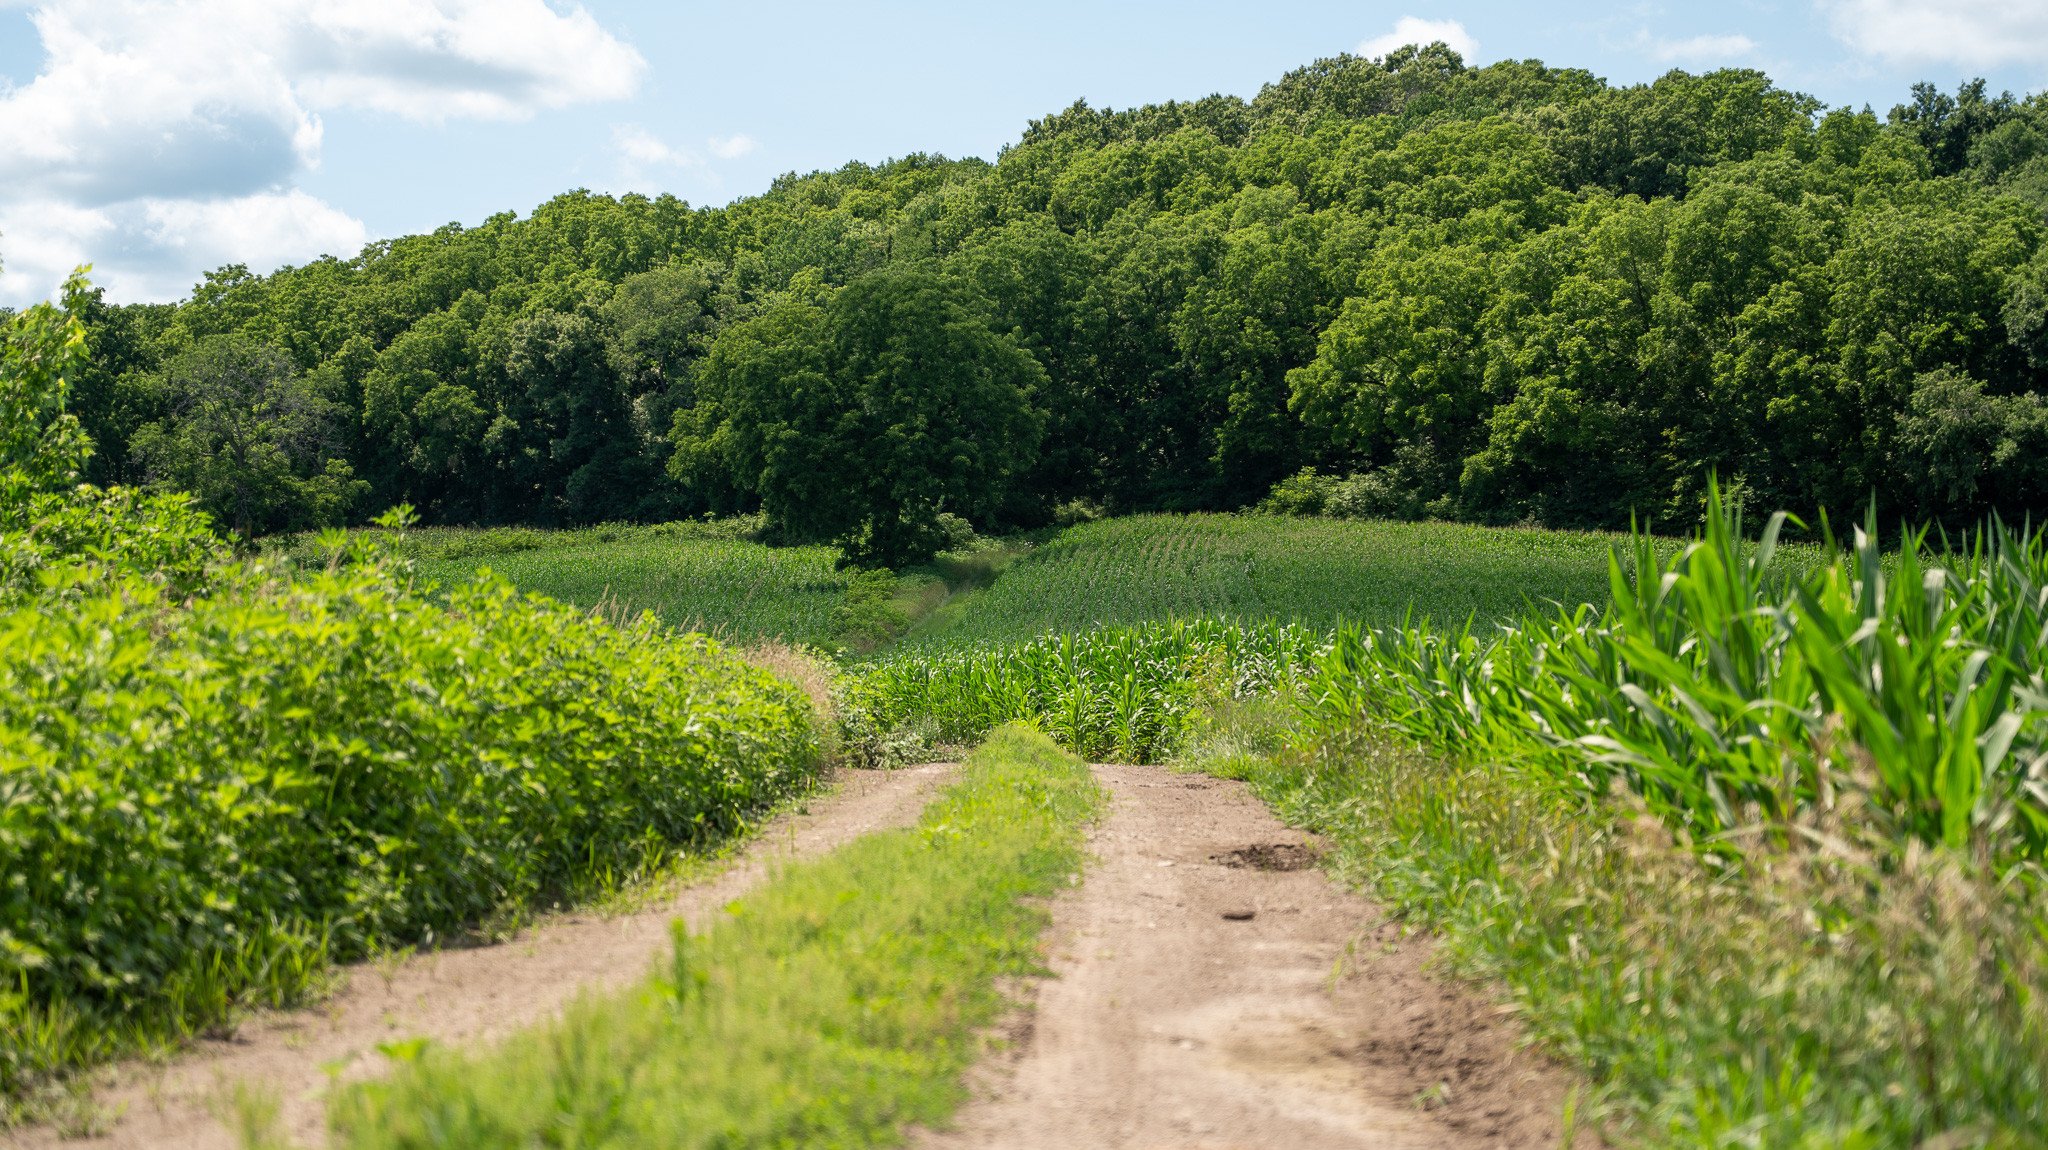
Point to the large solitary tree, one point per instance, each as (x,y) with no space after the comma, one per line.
(860,415)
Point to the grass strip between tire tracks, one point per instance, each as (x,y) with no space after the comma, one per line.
(834,1006)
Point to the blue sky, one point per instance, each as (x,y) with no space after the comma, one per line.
(159,138)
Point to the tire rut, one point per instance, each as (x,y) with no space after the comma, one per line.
(1212,991)
(462,996)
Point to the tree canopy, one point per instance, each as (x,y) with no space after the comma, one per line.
(1513,293)
(862,414)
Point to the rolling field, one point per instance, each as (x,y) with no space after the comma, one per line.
(1158,568)
(693,576)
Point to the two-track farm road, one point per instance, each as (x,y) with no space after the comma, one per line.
(1175,1021)
(466,996)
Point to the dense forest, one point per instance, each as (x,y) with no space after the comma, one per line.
(1504,294)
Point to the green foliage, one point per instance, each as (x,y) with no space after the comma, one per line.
(1723,692)
(205,802)
(41,444)
(838,1005)
(249,439)
(1818,987)
(1142,569)
(1501,294)
(74,539)
(1122,693)
(863,417)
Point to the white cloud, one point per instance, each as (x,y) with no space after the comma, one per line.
(1415,30)
(435,59)
(642,149)
(292,226)
(156,248)
(142,106)
(1701,49)
(1972,33)
(731,147)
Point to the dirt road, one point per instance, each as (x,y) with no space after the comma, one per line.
(1213,989)
(463,996)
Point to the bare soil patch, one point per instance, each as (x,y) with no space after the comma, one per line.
(462,996)
(1212,989)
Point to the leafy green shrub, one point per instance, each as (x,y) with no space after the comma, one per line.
(159,537)
(1306,492)
(1377,494)
(202,803)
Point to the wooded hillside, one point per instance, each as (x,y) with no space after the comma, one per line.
(1499,294)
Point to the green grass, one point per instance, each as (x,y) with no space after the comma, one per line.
(832,1007)
(1156,568)
(732,588)
(693,576)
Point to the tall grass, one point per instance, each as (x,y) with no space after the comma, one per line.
(833,1007)
(1824,987)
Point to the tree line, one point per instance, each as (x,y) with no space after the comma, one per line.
(1504,294)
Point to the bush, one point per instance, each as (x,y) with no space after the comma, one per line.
(203,804)
(1372,495)
(1378,494)
(1304,493)
(162,538)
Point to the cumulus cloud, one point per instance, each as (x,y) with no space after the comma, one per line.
(149,116)
(1972,33)
(1415,30)
(1702,49)
(154,248)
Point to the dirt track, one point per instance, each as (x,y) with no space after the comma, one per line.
(460,996)
(1211,989)
(1175,1021)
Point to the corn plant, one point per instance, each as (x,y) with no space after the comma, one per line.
(1118,692)
(1725,691)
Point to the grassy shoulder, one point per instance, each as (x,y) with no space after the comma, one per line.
(835,1006)
(1819,988)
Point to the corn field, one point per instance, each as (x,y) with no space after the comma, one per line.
(1117,693)
(1726,694)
